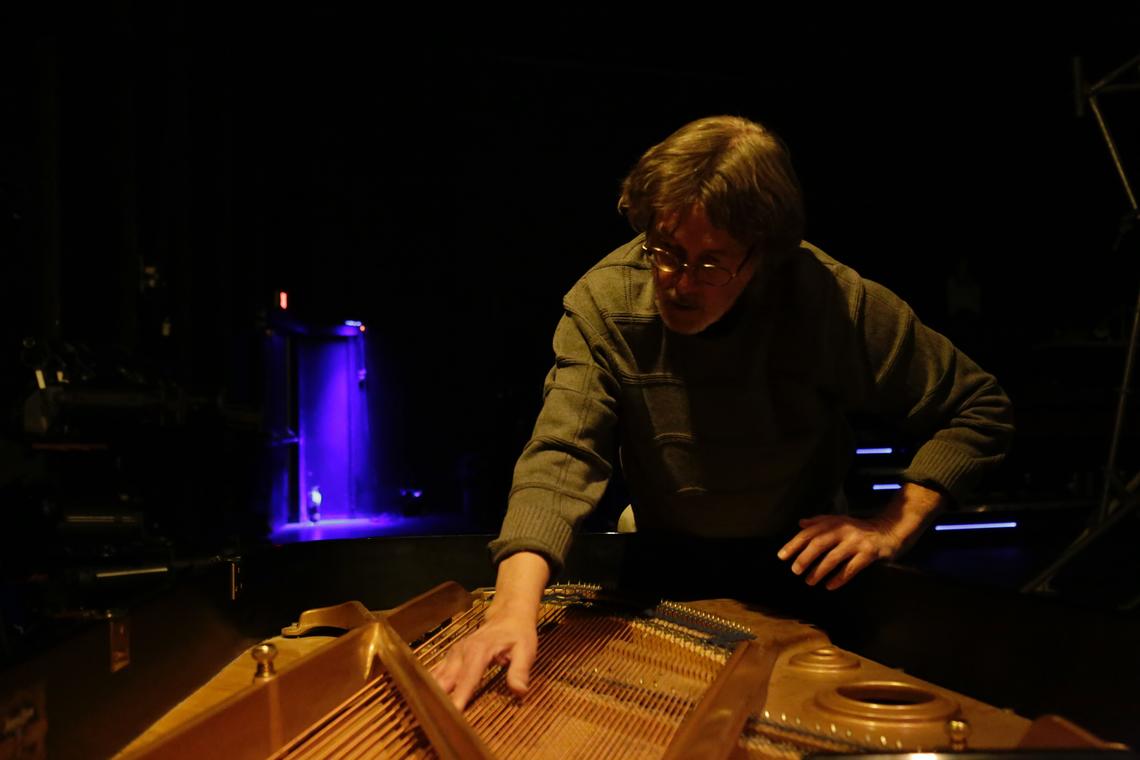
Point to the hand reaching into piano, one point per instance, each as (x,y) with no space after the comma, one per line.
(508,636)
(848,545)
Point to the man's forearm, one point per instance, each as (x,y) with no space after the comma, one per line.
(518,588)
(909,513)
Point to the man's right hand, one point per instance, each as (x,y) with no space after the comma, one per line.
(508,636)
(506,640)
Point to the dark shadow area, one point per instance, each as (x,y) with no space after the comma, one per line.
(197,200)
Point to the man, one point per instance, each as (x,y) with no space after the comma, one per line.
(721,356)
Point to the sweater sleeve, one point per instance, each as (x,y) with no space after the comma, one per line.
(958,411)
(564,468)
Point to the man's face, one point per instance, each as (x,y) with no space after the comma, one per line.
(686,305)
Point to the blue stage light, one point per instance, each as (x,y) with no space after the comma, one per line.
(976,526)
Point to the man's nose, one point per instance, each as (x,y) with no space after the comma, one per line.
(687,281)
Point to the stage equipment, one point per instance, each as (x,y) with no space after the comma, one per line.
(1118,499)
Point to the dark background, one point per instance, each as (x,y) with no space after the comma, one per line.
(445,176)
(166,168)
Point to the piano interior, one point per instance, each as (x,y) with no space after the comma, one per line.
(613,678)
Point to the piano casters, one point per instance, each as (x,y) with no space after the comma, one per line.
(264,655)
(1117,500)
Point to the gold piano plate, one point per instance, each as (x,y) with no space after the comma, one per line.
(705,679)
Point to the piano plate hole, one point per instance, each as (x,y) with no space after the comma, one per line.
(886,694)
(887,701)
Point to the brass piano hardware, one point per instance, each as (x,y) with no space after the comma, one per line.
(886,702)
(119,634)
(264,654)
(411,619)
(825,660)
(959,731)
(347,616)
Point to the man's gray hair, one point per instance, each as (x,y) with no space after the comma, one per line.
(738,170)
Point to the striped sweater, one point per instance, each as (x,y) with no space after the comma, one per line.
(742,429)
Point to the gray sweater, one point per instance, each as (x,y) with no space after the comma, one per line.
(742,429)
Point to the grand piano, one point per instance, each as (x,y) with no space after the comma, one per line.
(996,649)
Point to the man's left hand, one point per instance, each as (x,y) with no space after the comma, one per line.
(848,545)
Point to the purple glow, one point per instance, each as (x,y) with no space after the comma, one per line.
(883,450)
(344,522)
(976,526)
(340,528)
(886,486)
(335,445)
(386,524)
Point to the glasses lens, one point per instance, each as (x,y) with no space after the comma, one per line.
(714,275)
(664,260)
(668,262)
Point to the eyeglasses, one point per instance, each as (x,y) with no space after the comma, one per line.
(669,263)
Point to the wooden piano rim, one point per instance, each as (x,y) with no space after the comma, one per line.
(354,655)
(363,646)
